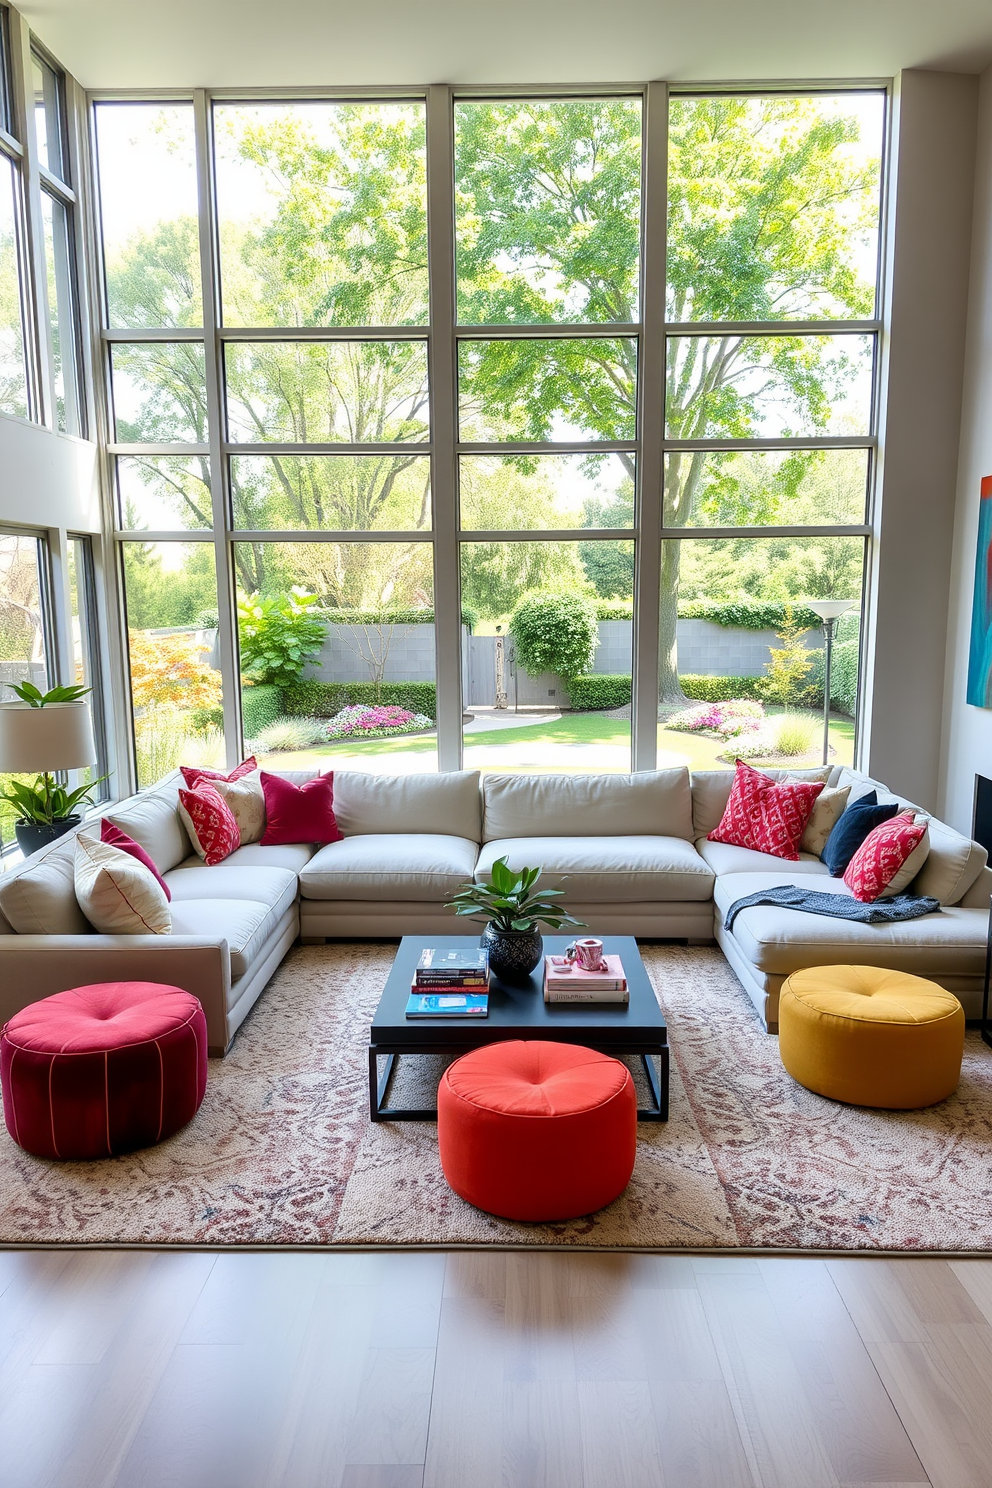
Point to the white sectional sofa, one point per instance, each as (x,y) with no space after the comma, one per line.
(631,850)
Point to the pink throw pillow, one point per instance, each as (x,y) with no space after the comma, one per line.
(210,823)
(299,813)
(193,774)
(766,815)
(881,856)
(114,837)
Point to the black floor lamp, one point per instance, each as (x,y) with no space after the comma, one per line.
(829,611)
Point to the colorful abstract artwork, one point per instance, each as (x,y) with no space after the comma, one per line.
(980,659)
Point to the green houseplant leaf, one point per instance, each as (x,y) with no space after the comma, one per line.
(509,901)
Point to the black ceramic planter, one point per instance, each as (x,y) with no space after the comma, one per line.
(513,954)
(32,835)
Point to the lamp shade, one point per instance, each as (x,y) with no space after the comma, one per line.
(35,740)
(829,609)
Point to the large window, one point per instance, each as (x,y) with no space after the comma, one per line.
(391,377)
(39,310)
(25,629)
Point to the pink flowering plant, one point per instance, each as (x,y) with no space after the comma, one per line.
(730,720)
(363,722)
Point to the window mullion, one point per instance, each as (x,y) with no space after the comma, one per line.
(443,391)
(231,690)
(651,404)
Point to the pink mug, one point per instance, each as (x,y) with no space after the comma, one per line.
(589,953)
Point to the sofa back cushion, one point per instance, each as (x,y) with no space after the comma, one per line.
(653,803)
(39,898)
(952,866)
(711,792)
(446,803)
(152,820)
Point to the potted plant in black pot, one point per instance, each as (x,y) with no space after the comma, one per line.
(49,732)
(512,910)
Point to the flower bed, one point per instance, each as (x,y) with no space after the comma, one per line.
(727,720)
(364,722)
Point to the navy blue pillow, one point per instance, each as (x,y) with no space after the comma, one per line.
(851,829)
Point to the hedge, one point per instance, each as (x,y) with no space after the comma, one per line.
(598,691)
(260,706)
(705,689)
(470,617)
(324,699)
(740,614)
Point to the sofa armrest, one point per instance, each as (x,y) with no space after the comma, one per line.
(35,966)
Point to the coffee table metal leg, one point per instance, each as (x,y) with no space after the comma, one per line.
(377,1084)
(657,1083)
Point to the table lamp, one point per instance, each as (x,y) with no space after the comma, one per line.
(42,742)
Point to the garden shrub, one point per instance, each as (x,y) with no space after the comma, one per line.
(260,706)
(706,689)
(278,635)
(788,671)
(325,699)
(555,633)
(597,692)
(289,734)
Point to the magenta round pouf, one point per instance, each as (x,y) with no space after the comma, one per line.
(103,1069)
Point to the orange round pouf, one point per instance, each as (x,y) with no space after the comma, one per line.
(539,1131)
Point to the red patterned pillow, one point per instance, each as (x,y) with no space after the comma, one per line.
(888,859)
(210,823)
(766,815)
(192,774)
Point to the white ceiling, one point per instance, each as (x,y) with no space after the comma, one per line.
(250,43)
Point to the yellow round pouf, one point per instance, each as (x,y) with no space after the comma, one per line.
(871,1037)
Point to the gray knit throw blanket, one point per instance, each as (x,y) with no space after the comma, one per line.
(837,906)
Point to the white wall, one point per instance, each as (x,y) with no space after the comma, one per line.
(926,314)
(47,480)
(967,730)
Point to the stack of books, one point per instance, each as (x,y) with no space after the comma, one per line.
(450,984)
(566,981)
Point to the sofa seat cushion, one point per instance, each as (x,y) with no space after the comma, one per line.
(294,856)
(425,866)
(276,887)
(780,941)
(607,870)
(245,924)
(723,857)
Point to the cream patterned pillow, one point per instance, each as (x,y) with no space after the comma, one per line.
(828,808)
(116,893)
(246,802)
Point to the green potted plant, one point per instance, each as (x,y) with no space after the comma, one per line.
(512,910)
(50,730)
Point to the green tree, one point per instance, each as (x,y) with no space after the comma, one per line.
(767,208)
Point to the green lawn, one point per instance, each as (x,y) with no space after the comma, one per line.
(569,733)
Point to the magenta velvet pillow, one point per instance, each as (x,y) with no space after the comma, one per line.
(114,837)
(299,813)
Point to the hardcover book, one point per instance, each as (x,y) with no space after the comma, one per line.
(447,1004)
(562,974)
(436,962)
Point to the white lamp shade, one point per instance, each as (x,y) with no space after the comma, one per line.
(829,609)
(35,740)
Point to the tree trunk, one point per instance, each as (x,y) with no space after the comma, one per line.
(669,688)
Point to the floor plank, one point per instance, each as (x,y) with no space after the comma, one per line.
(493,1369)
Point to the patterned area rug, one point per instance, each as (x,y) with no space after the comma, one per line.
(283,1153)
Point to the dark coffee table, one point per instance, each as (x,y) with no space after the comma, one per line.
(518,1012)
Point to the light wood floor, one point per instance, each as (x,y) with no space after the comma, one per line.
(490,1370)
